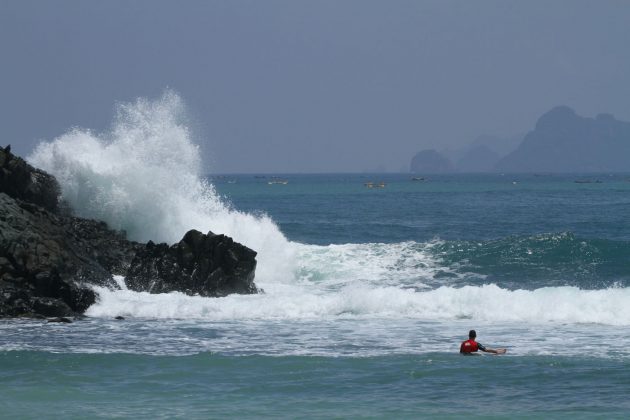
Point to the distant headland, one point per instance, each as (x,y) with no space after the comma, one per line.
(561,141)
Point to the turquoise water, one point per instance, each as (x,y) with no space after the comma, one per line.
(368,293)
(205,385)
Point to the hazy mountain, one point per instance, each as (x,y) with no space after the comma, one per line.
(566,142)
(501,146)
(478,159)
(482,154)
(430,162)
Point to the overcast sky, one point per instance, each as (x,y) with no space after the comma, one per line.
(313,86)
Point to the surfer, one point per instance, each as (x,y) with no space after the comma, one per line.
(470,346)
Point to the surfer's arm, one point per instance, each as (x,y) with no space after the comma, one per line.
(495,351)
(488,350)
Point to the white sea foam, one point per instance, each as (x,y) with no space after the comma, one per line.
(477,303)
(405,264)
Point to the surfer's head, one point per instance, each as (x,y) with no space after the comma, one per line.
(472,334)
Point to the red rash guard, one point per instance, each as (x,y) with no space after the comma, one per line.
(469,346)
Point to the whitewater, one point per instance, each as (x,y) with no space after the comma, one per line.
(144,176)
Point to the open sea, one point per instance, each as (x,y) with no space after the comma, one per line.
(368,293)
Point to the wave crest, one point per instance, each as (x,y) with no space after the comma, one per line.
(143,177)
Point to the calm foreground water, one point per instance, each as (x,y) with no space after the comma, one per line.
(368,293)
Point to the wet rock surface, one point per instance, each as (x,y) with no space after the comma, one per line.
(204,264)
(49,259)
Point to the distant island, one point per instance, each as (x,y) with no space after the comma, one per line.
(430,162)
(561,141)
(565,142)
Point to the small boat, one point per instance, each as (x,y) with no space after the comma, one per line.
(278,181)
(375,185)
(416,178)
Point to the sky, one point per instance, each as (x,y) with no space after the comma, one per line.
(312,86)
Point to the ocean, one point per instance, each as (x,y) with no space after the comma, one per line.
(368,293)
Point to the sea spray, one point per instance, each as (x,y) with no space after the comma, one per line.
(143,177)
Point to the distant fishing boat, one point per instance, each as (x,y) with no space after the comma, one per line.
(375,185)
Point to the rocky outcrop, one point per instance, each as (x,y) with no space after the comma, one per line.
(208,265)
(20,180)
(49,259)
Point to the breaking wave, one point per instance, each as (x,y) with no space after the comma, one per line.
(478,303)
(143,176)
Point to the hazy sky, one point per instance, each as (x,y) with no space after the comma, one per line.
(313,86)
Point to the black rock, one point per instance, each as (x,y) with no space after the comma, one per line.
(47,306)
(61,319)
(49,259)
(43,256)
(208,265)
(20,180)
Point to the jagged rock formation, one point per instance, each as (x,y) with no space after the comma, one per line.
(209,265)
(20,180)
(46,255)
(49,259)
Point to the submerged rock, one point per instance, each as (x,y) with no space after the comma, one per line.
(61,319)
(204,264)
